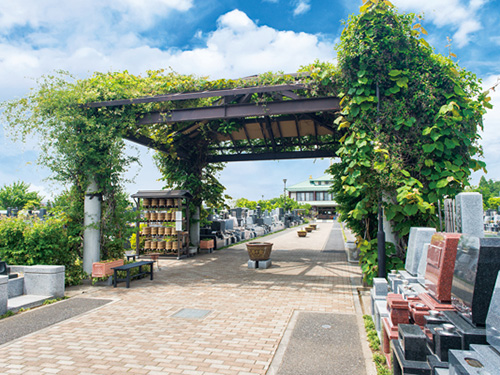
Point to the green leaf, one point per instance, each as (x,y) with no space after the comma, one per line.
(361,73)
(449,143)
(363,80)
(428,162)
(442,183)
(410,209)
(428,148)
(394,89)
(394,73)
(405,173)
(458,90)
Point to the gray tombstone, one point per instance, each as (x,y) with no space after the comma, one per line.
(422,265)
(469,211)
(4,294)
(419,236)
(493,319)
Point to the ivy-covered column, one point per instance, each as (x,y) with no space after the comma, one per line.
(92,232)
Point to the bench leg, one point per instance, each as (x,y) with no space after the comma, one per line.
(128,278)
(115,278)
(151,271)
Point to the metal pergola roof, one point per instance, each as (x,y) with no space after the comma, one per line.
(283,125)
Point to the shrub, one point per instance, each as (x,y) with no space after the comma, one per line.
(29,241)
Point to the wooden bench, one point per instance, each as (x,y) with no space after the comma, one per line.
(128,267)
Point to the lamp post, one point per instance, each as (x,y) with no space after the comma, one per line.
(284,193)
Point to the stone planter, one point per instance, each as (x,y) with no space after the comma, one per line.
(102,269)
(309,229)
(259,250)
(206,244)
(313,226)
(302,233)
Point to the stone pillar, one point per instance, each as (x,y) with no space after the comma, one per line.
(194,230)
(44,281)
(469,214)
(4,294)
(92,233)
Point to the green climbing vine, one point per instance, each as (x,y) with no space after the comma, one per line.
(410,119)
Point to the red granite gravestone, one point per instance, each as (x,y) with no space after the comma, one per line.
(441,264)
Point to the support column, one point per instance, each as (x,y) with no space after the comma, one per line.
(92,233)
(194,230)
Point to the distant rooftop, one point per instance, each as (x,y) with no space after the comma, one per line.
(322,183)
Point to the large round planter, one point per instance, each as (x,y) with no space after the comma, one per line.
(302,233)
(309,229)
(259,250)
(313,226)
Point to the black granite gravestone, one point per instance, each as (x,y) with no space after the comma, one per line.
(476,267)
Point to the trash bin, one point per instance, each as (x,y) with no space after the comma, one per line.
(352,252)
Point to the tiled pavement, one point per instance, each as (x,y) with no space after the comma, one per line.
(249,312)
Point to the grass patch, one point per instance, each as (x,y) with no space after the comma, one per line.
(374,343)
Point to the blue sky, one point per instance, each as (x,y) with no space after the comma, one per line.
(216,38)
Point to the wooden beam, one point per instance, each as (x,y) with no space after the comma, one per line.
(271,156)
(195,95)
(299,106)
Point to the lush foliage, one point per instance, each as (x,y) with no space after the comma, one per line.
(368,259)
(18,196)
(411,120)
(30,241)
(271,204)
(374,343)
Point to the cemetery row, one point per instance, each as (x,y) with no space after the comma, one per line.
(441,315)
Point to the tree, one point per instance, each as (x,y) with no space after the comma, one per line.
(18,196)
(411,120)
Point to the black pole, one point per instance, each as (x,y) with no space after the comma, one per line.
(380,234)
(381,242)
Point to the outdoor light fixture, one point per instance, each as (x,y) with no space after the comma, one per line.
(284,192)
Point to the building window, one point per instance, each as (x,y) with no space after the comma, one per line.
(300,197)
(309,196)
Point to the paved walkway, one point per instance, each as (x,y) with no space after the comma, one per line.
(247,314)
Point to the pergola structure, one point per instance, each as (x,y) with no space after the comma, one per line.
(269,122)
(280,124)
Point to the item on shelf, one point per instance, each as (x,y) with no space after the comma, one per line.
(146,202)
(161,202)
(154,202)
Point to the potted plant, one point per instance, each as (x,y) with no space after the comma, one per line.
(206,244)
(302,233)
(259,250)
(103,268)
(309,229)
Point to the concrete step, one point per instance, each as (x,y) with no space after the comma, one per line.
(25,302)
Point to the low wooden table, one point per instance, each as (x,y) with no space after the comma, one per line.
(128,267)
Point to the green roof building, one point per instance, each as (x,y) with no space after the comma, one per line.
(315,191)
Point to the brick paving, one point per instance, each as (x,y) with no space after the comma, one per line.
(249,312)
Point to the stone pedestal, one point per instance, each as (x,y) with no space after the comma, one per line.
(4,294)
(380,313)
(44,281)
(262,264)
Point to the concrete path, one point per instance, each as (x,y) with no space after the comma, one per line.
(202,316)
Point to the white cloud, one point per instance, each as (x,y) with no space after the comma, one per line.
(461,16)
(236,48)
(302,7)
(490,135)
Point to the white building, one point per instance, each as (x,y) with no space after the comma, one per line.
(315,191)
